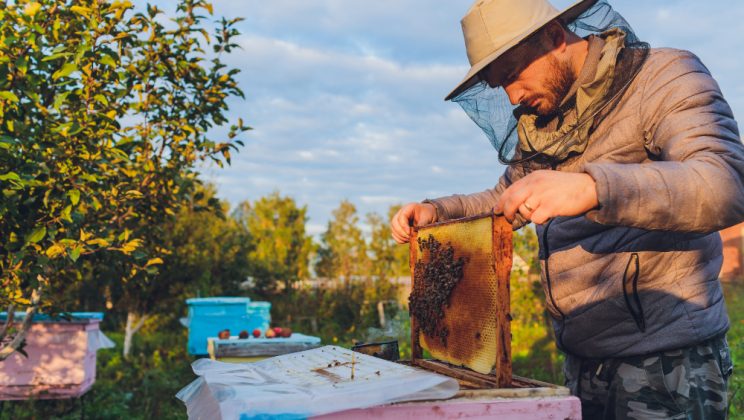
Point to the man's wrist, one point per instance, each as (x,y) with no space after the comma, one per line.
(591,192)
(433,206)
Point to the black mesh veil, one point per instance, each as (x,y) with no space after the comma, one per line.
(491,110)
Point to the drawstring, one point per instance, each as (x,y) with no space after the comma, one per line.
(559,338)
(547,269)
(637,315)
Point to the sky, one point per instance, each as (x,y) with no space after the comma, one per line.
(345,97)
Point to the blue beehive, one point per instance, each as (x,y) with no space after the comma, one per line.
(208,316)
(259,316)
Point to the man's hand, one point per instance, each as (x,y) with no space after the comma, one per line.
(412,214)
(545,194)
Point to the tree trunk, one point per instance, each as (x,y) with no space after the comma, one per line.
(133,325)
(20,336)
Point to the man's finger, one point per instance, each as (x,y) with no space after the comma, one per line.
(404,221)
(519,195)
(404,224)
(540,215)
(525,211)
(399,236)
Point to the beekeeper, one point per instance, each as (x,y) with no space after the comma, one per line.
(628,161)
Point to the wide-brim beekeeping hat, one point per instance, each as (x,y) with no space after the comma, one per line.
(493,27)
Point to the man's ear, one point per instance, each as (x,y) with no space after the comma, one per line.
(555,36)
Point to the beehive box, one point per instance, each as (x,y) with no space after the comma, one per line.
(208,316)
(61,360)
(460,298)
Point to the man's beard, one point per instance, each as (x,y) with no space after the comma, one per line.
(557,86)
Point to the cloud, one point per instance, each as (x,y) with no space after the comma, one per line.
(346,97)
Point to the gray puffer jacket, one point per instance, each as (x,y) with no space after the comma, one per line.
(640,274)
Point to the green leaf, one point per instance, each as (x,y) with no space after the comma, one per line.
(10,176)
(75,254)
(74,196)
(66,214)
(36,235)
(60,99)
(101,99)
(22,64)
(56,56)
(10,96)
(108,60)
(66,70)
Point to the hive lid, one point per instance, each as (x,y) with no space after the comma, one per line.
(62,317)
(218,300)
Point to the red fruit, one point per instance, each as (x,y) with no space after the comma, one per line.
(224,334)
(243,334)
(257,332)
(270,333)
(286,332)
(278,331)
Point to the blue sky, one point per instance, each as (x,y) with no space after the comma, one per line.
(346,97)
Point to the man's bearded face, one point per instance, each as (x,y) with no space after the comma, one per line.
(557,83)
(539,85)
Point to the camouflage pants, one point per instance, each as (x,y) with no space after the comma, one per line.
(689,383)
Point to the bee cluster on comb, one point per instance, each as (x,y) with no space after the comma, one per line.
(434,279)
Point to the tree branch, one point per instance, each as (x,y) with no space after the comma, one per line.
(140,323)
(8,321)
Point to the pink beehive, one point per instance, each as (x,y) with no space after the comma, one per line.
(61,359)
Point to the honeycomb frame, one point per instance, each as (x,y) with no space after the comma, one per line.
(477,313)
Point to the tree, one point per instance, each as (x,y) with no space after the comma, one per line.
(207,255)
(103,116)
(281,246)
(388,258)
(209,251)
(343,252)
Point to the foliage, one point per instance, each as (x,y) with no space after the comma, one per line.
(104,114)
(343,314)
(281,247)
(734,293)
(208,255)
(59,101)
(388,258)
(343,251)
(180,91)
(336,314)
(534,353)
